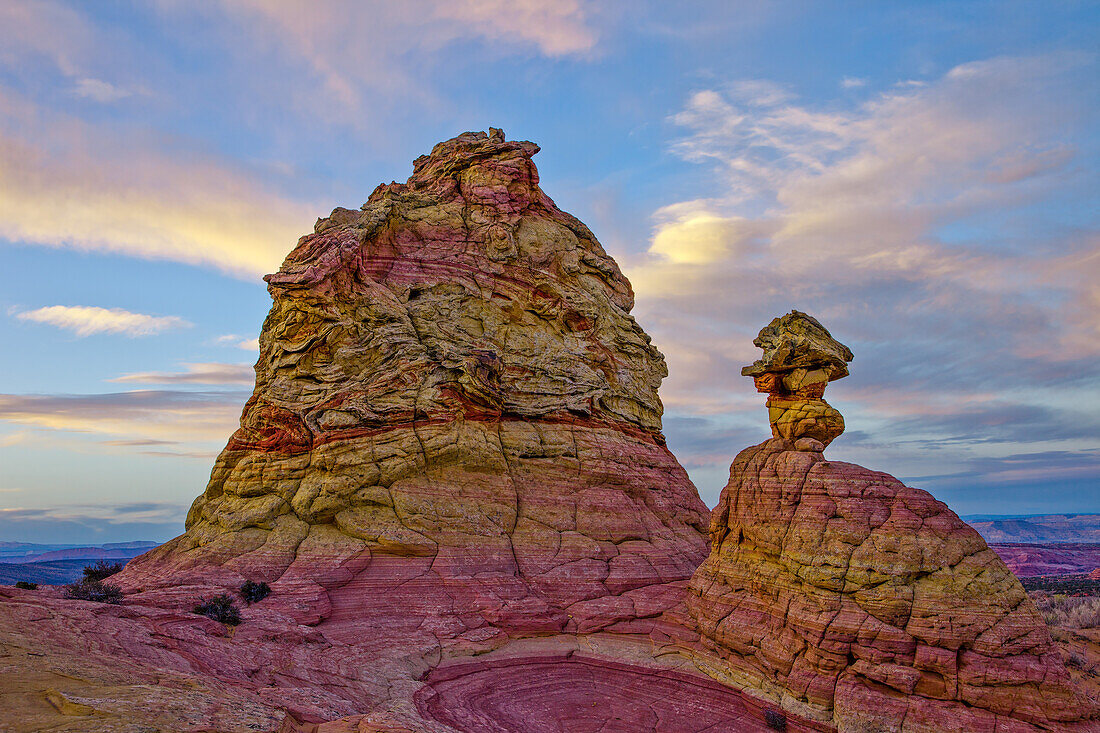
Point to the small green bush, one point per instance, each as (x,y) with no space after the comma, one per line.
(220,608)
(26,586)
(101,570)
(94,590)
(253,592)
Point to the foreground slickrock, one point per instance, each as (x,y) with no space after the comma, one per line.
(854,599)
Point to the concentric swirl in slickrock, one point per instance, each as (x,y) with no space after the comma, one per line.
(451,473)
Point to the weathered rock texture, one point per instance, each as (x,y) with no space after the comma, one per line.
(800,358)
(857,600)
(451,387)
(452,475)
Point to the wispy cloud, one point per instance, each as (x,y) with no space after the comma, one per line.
(885,221)
(97,513)
(67,183)
(240,342)
(93,523)
(45,30)
(195,373)
(344,54)
(85,185)
(12,438)
(555,27)
(100,91)
(88,320)
(145,415)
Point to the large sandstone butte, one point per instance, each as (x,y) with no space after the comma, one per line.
(854,599)
(454,407)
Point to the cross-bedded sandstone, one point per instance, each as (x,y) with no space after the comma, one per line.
(451,473)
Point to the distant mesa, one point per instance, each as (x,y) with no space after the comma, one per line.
(1046,528)
(451,474)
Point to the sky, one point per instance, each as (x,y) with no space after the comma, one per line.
(922,177)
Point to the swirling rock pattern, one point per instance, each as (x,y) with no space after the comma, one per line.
(452,475)
(576,694)
(451,376)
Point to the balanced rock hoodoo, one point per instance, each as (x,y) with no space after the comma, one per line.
(854,599)
(800,359)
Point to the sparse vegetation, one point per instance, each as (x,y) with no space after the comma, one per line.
(1072,612)
(26,586)
(1077,660)
(94,590)
(1068,584)
(101,570)
(775,720)
(253,592)
(220,608)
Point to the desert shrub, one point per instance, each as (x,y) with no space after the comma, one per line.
(1069,612)
(101,570)
(775,720)
(26,586)
(220,608)
(94,590)
(253,592)
(1084,614)
(1074,658)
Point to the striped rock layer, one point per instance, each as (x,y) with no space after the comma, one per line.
(856,600)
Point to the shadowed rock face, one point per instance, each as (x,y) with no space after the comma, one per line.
(451,390)
(857,600)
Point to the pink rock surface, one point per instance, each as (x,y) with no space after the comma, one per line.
(576,694)
(140,666)
(452,475)
(862,602)
(453,410)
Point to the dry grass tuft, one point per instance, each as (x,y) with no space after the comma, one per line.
(1069,612)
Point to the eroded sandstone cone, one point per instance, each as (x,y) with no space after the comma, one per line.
(800,358)
(454,409)
(854,599)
